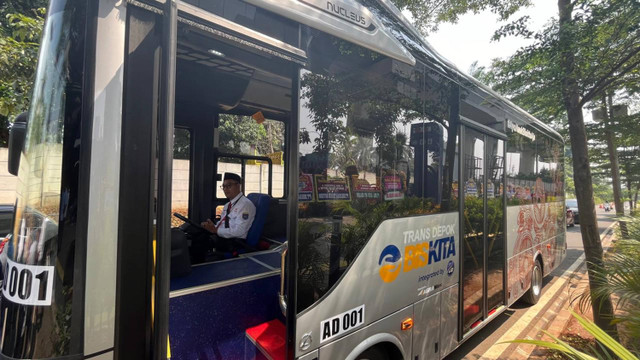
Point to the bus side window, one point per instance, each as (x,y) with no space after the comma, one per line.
(521,165)
(378,148)
(548,155)
(181,173)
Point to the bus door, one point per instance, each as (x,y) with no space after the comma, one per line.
(242,101)
(235,112)
(482,251)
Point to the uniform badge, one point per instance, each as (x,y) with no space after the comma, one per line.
(245,216)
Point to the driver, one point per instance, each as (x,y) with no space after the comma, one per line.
(236,218)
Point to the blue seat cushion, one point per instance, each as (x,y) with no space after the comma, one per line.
(261,202)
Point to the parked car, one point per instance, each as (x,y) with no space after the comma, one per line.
(570,218)
(572,204)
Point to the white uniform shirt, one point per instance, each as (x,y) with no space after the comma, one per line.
(240,219)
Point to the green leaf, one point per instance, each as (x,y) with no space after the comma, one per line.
(604,338)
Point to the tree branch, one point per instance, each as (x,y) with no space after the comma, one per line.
(608,78)
(435,7)
(613,40)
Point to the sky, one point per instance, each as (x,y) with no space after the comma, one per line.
(470,39)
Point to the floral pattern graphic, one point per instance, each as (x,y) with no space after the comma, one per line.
(538,231)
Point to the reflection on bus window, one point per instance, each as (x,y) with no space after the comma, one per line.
(534,167)
(495,223)
(549,169)
(473,260)
(521,165)
(374,145)
(474,103)
(181,170)
(255,136)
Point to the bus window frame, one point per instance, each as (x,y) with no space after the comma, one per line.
(243,165)
(217,155)
(483,128)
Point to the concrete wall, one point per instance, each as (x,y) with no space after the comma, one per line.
(180,185)
(256,178)
(7,181)
(43,190)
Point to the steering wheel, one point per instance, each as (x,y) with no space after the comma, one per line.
(191,222)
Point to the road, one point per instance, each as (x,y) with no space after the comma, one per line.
(520,319)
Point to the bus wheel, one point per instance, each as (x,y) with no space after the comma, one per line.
(533,295)
(374,353)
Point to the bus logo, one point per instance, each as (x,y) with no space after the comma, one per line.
(390,256)
(352,13)
(416,257)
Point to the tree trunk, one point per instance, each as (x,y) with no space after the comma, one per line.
(613,154)
(630,193)
(627,170)
(602,308)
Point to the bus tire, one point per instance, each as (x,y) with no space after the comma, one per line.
(374,353)
(533,295)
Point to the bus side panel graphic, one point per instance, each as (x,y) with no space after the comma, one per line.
(404,261)
(532,229)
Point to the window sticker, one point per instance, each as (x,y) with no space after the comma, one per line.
(28,284)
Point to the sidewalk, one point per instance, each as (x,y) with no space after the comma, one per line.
(558,325)
(556,314)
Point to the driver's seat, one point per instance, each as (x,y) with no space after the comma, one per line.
(262,203)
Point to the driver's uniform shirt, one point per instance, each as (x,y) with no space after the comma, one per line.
(239,219)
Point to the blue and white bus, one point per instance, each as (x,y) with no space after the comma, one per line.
(400,204)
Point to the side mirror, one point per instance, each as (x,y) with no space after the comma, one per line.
(17,135)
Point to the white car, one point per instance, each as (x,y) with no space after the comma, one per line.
(572,204)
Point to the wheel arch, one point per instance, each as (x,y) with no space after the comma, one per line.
(388,341)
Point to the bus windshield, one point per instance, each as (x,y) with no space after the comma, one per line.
(46,197)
